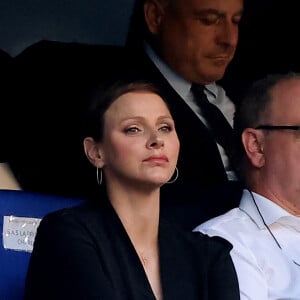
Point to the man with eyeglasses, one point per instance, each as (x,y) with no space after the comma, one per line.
(265,228)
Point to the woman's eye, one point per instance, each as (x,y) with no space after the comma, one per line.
(132,130)
(165,128)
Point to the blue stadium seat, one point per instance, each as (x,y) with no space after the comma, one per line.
(16,206)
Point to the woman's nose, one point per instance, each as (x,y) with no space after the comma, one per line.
(155,142)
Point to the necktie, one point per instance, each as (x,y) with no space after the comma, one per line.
(221,129)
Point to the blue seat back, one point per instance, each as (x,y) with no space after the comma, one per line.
(14,263)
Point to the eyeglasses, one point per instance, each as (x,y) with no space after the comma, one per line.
(278,127)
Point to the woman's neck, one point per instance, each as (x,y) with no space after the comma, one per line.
(138,210)
(139,213)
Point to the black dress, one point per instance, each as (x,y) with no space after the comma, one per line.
(84,252)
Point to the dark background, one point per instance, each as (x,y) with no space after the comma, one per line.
(23,22)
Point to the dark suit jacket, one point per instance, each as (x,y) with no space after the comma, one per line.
(85,253)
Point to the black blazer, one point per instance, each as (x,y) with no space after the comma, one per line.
(85,253)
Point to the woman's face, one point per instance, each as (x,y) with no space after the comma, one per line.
(140,145)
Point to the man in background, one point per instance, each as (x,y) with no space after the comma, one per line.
(264,229)
(184,46)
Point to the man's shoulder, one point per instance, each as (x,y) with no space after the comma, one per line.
(235,225)
(221,222)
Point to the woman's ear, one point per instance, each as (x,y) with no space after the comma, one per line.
(253,141)
(153,12)
(93,152)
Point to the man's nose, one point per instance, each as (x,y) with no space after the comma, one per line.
(228,34)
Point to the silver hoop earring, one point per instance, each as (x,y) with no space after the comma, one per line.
(176,176)
(99,176)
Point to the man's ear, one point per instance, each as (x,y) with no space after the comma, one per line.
(153,12)
(93,152)
(253,141)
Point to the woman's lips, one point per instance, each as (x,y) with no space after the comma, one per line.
(156,159)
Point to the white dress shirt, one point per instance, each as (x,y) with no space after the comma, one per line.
(264,270)
(215,94)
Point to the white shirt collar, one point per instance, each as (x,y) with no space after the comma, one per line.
(270,211)
(179,84)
